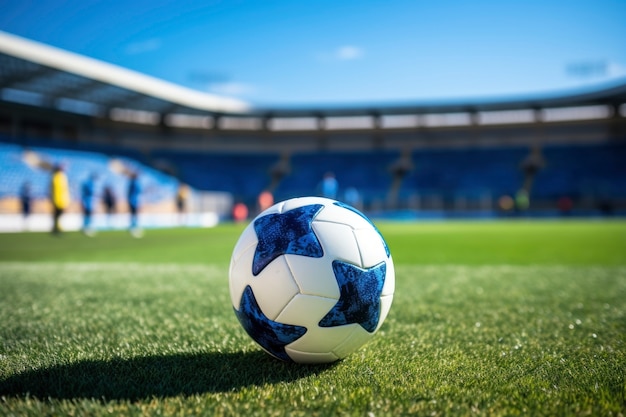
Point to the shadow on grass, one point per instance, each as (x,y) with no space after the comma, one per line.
(154,376)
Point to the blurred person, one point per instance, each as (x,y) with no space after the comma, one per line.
(506,203)
(265,200)
(108,198)
(133,195)
(352,197)
(565,205)
(522,201)
(182,198)
(60,196)
(531,165)
(87,194)
(26,198)
(240,212)
(606,206)
(329,186)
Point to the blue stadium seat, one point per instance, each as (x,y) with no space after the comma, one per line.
(367,171)
(577,171)
(14,172)
(243,174)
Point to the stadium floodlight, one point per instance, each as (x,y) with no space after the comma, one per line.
(559,114)
(293,123)
(446,119)
(189,121)
(349,122)
(399,121)
(506,117)
(135,116)
(240,123)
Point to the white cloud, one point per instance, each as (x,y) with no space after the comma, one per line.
(141,47)
(342,53)
(615,70)
(348,53)
(596,70)
(233,89)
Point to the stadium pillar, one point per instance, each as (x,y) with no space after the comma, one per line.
(378,138)
(15,127)
(322,139)
(617,124)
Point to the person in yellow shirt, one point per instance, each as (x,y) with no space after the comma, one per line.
(182,196)
(60,196)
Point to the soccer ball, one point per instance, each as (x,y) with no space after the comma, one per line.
(311,280)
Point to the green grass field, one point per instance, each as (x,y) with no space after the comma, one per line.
(489,318)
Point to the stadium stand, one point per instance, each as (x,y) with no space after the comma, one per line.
(244,175)
(583,171)
(457,156)
(366,171)
(99,148)
(586,173)
(14,171)
(467,172)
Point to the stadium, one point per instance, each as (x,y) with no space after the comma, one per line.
(508,213)
(429,160)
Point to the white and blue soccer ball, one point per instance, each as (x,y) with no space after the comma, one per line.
(311,280)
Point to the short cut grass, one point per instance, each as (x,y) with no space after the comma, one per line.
(489,318)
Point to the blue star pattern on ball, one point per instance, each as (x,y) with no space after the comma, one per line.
(286,233)
(273,336)
(359,300)
(352,209)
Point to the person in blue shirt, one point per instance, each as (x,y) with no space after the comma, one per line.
(330,186)
(26,198)
(109,200)
(134,194)
(87,194)
(353,198)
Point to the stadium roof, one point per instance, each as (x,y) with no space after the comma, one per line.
(38,74)
(611,93)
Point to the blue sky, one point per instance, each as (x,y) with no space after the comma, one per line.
(282,53)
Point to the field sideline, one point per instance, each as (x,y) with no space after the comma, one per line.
(489,318)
